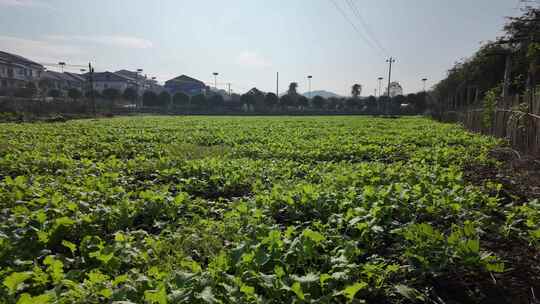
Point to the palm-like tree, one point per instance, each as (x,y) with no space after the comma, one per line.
(292,88)
(356,90)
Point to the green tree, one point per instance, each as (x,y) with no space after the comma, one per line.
(74,94)
(293,87)
(180,99)
(302,102)
(111,94)
(356,90)
(332,103)
(396,103)
(271,100)
(199,101)
(351,103)
(150,99)
(318,102)
(287,101)
(164,99)
(216,101)
(383,106)
(131,95)
(371,103)
(248,100)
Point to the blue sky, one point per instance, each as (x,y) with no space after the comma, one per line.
(248,41)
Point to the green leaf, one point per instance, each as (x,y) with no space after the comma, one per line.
(278,270)
(408,292)
(120,279)
(208,296)
(72,247)
(64,221)
(350,291)
(495,267)
(324,277)
(55,268)
(313,235)
(248,290)
(156,296)
(28,299)
(106,293)
(14,280)
(473,245)
(297,289)
(308,278)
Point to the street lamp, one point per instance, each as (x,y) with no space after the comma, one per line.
(424,81)
(380,85)
(309,81)
(62,64)
(215,79)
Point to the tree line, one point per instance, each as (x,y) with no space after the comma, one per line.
(515,54)
(254,101)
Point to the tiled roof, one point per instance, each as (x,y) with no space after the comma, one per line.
(16,59)
(184,78)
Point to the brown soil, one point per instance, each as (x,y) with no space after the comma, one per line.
(520,283)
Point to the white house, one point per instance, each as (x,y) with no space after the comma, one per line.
(17,71)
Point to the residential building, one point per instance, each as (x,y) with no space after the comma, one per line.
(76,81)
(62,81)
(17,71)
(107,80)
(142,83)
(186,85)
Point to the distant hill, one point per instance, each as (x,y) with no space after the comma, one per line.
(322,93)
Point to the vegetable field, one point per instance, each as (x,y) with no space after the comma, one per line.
(255,210)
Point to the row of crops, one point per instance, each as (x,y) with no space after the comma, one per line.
(249,210)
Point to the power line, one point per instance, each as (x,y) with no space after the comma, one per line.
(354,26)
(58,65)
(365,25)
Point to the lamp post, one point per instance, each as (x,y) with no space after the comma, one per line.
(154,82)
(62,64)
(309,84)
(424,84)
(380,85)
(215,79)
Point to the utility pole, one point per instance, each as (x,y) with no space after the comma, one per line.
(277,84)
(390,61)
(139,103)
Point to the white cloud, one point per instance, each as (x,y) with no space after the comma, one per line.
(23,3)
(252,59)
(109,40)
(39,50)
